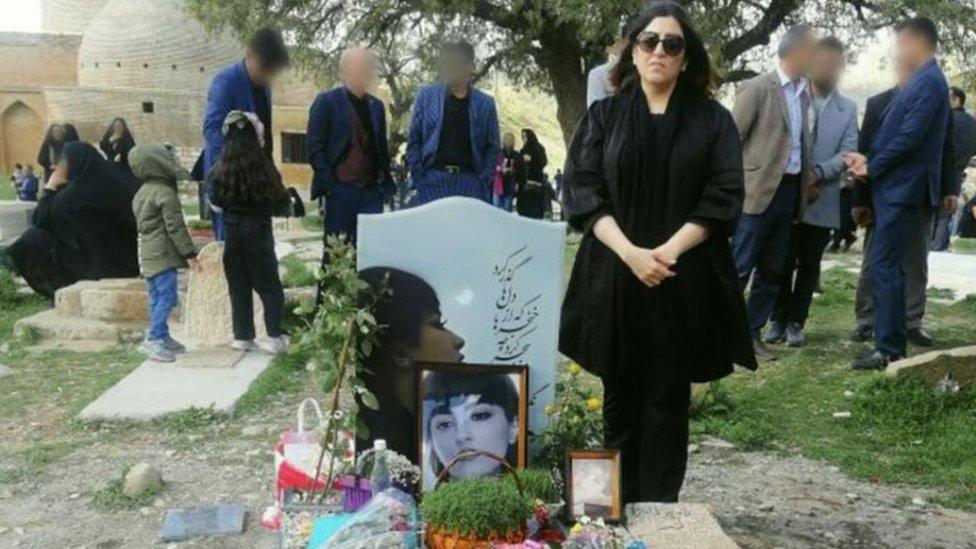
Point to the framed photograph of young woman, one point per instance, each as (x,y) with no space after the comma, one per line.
(463,407)
(593,485)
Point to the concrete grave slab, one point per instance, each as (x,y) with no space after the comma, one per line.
(15,218)
(213,357)
(154,389)
(676,526)
(951,271)
(933,368)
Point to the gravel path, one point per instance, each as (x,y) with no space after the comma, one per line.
(762,500)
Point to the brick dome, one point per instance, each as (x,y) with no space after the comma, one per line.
(151,44)
(69,16)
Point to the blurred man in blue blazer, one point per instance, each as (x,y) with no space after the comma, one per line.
(244,86)
(904,170)
(454,137)
(347,146)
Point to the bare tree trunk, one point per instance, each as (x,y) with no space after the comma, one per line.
(561,55)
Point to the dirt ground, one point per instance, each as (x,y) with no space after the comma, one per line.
(763,500)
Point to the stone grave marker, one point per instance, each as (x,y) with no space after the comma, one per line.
(944,367)
(217,520)
(676,526)
(207,315)
(498,278)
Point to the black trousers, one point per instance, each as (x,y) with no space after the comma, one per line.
(251,266)
(846,232)
(645,415)
(807,244)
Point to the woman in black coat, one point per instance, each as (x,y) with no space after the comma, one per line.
(117,142)
(531,198)
(84,228)
(654,181)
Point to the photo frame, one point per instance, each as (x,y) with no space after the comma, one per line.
(593,485)
(470,407)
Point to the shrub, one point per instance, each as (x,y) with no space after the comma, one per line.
(575,419)
(539,485)
(479,506)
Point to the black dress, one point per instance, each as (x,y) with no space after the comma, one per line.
(654,173)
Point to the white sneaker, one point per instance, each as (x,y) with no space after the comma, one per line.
(242,345)
(275,345)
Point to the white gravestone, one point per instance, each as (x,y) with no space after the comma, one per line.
(498,278)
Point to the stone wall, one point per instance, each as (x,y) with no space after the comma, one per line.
(68,15)
(151,44)
(29,59)
(177,117)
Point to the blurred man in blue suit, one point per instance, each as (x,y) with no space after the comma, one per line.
(454,136)
(904,170)
(244,86)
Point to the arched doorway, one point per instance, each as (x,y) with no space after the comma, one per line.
(22,135)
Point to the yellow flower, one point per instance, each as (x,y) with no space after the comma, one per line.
(550,410)
(594,404)
(574,369)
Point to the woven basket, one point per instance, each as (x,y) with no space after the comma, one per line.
(440,538)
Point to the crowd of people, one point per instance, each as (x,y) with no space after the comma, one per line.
(703,228)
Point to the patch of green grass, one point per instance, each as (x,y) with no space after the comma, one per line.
(897,433)
(286,375)
(111,498)
(188,420)
(940,293)
(191,208)
(32,461)
(7,191)
(963,245)
(297,273)
(313,222)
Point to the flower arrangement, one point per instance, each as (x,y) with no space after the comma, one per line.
(595,534)
(340,335)
(402,471)
(575,419)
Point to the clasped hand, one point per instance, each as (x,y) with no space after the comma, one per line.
(857,165)
(651,266)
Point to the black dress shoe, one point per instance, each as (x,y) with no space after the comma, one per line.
(876,361)
(862,334)
(919,337)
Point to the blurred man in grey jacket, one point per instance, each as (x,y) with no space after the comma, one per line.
(833,121)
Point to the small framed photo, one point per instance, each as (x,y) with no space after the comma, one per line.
(462,407)
(593,485)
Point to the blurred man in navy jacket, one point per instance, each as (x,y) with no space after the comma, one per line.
(347,146)
(904,170)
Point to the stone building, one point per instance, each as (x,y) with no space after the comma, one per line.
(145,60)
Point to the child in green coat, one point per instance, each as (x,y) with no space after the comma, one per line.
(164,243)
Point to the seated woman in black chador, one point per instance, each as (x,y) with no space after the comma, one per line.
(654,181)
(414,332)
(117,141)
(84,228)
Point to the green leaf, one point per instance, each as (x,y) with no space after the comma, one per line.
(329,380)
(369,400)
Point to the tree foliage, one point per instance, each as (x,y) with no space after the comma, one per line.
(554,43)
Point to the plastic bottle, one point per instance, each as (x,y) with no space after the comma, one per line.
(379,479)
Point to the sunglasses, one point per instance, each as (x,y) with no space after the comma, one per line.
(673,44)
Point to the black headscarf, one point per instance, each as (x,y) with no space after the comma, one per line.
(120,147)
(91,217)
